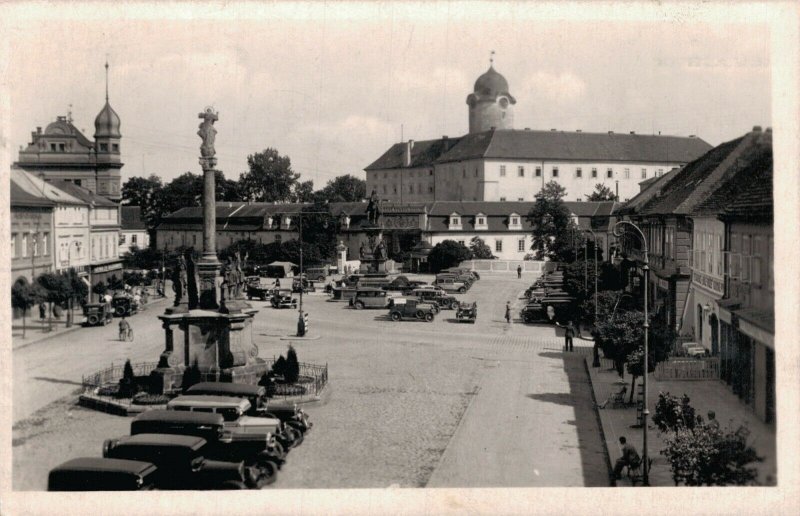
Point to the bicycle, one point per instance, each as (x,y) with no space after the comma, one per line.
(126,335)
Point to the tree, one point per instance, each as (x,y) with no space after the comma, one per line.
(303,191)
(480,250)
(100,288)
(23,296)
(711,456)
(346,188)
(142,192)
(601,193)
(320,228)
(79,292)
(269,179)
(184,190)
(226,189)
(145,259)
(290,252)
(673,413)
(553,229)
(292,370)
(448,253)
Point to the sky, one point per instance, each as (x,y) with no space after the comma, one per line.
(333,86)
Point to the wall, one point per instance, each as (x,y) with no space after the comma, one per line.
(509,239)
(171,238)
(461,181)
(72,244)
(126,240)
(754,243)
(26,221)
(402,184)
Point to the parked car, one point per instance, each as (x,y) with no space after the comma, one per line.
(549,309)
(124,305)
(318,273)
(462,270)
(283,298)
(259,403)
(100,474)
(467,312)
(451,284)
(182,464)
(404,308)
(261,449)
(306,284)
(256,289)
(234,410)
(435,297)
(370,297)
(98,314)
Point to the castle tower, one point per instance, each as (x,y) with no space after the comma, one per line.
(107,148)
(490,104)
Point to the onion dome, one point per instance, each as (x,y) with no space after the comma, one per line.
(491,83)
(107,123)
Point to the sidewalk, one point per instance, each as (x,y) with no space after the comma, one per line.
(705,395)
(36,329)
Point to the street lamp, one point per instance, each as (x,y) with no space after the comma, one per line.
(618,231)
(596,357)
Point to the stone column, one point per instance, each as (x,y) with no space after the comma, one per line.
(208,266)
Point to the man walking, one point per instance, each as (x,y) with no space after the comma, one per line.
(508,312)
(519,271)
(569,333)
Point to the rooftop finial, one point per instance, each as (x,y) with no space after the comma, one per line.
(491,58)
(106,77)
(69,114)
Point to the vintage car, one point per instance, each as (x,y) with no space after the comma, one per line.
(467,312)
(462,270)
(259,403)
(234,410)
(307,286)
(282,298)
(405,308)
(549,309)
(99,474)
(318,273)
(124,305)
(343,293)
(466,279)
(451,284)
(435,297)
(221,444)
(256,289)
(370,297)
(98,314)
(182,464)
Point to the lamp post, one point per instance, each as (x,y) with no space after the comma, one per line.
(596,357)
(618,231)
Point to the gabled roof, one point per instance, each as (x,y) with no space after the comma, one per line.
(131,218)
(579,146)
(642,198)
(89,197)
(423,154)
(694,183)
(40,188)
(20,197)
(755,199)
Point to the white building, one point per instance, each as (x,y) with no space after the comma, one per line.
(495,162)
(133,231)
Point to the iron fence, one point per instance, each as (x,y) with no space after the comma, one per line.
(113,374)
(688,369)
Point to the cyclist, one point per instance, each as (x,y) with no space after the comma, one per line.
(124,329)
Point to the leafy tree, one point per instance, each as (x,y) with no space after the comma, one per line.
(320,227)
(226,189)
(292,371)
(146,258)
(56,289)
(601,193)
(100,288)
(184,190)
(142,192)
(711,456)
(448,253)
(269,179)
(553,229)
(23,297)
(673,413)
(480,250)
(290,252)
(115,283)
(303,191)
(346,188)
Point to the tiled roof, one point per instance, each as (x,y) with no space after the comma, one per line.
(525,144)
(698,180)
(83,194)
(131,218)
(643,197)
(40,188)
(20,197)
(755,199)
(423,154)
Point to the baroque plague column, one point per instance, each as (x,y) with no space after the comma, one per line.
(208,266)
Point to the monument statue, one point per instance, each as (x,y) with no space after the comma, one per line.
(207,132)
(373,208)
(179,280)
(380,251)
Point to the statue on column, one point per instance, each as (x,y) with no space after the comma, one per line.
(373,208)
(179,280)
(207,133)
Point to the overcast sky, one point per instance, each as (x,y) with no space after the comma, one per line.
(331,87)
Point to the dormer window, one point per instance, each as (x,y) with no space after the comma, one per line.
(287,222)
(480,221)
(455,221)
(514,221)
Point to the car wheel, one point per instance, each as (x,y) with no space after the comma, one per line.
(119,311)
(420,314)
(93,319)
(462,290)
(359,305)
(453,304)
(429,317)
(528,319)
(395,316)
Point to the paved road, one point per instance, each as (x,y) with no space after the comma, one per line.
(410,403)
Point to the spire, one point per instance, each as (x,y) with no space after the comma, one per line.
(106,77)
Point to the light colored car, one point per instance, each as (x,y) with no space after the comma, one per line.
(449,284)
(370,297)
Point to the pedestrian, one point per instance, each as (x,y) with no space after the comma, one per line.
(569,333)
(630,457)
(508,312)
(519,271)
(42,310)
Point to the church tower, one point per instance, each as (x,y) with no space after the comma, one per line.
(107,137)
(490,104)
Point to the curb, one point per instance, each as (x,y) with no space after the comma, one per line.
(611,480)
(52,335)
(294,337)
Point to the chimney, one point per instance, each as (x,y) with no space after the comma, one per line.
(407,157)
(756,128)
(38,130)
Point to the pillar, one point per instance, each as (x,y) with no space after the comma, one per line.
(208,266)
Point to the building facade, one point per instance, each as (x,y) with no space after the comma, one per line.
(495,162)
(63,153)
(133,231)
(31,239)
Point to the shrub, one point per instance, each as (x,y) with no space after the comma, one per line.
(279,367)
(292,371)
(448,253)
(710,456)
(674,413)
(127,385)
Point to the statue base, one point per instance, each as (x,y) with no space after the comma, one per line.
(208,274)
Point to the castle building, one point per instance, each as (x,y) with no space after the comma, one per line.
(496,162)
(63,153)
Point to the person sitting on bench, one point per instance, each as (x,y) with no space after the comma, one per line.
(630,457)
(617,398)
